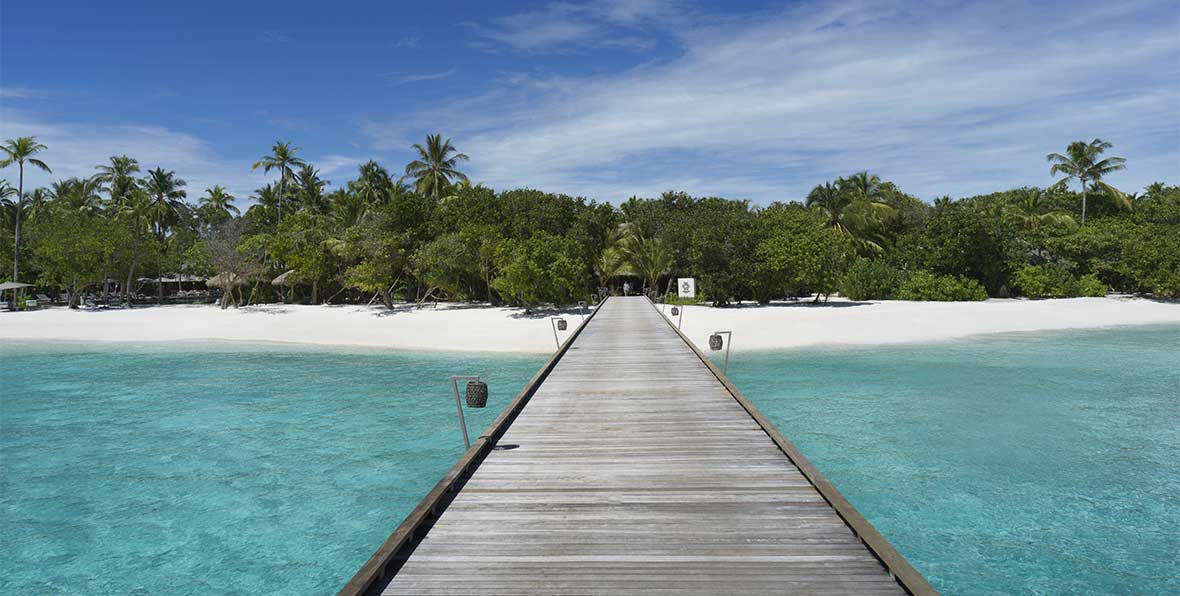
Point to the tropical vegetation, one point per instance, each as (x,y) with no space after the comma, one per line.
(126,232)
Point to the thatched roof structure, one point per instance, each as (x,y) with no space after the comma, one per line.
(284,279)
(225,279)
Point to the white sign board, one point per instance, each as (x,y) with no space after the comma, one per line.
(686,287)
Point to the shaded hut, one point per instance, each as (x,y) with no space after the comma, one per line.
(227,281)
(283,282)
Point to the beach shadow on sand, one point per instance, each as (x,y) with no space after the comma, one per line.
(544,313)
(807,303)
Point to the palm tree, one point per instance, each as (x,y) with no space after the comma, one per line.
(78,194)
(163,210)
(310,189)
(7,205)
(19,151)
(266,205)
(1081,162)
(436,167)
(373,186)
(1033,212)
(218,204)
(118,176)
(647,257)
(851,206)
(282,158)
(861,185)
(134,206)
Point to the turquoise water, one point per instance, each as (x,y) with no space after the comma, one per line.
(219,469)
(1014,464)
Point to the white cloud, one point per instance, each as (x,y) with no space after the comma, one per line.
(275,36)
(564,24)
(407,43)
(75,149)
(944,99)
(402,79)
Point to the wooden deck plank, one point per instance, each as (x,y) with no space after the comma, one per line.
(636,468)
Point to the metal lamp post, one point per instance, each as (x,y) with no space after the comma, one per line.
(678,312)
(477,397)
(558,324)
(715,344)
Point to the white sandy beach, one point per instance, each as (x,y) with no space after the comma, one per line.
(484,328)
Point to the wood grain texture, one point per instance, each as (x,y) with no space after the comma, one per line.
(638,471)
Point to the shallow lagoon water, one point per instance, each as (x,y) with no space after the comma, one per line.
(220,469)
(998,465)
(1006,464)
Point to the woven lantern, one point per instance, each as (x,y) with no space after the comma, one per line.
(561,325)
(675,310)
(715,342)
(477,394)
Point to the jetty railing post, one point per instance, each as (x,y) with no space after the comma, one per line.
(582,306)
(459,406)
(557,323)
(728,342)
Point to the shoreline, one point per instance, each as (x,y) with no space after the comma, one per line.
(479,328)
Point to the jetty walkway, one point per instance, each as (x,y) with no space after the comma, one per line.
(630,464)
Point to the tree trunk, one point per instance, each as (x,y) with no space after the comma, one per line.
(73,302)
(160,279)
(1083,201)
(134,263)
(315,291)
(20,198)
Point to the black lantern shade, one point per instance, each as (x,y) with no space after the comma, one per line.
(675,310)
(715,342)
(477,394)
(561,324)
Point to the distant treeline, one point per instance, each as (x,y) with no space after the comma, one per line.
(431,234)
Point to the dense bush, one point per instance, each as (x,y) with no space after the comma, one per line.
(1151,258)
(1090,285)
(870,279)
(923,285)
(1056,281)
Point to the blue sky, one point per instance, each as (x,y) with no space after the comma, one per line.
(605,99)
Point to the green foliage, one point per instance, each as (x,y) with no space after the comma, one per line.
(870,279)
(799,252)
(541,269)
(924,285)
(445,237)
(446,263)
(968,240)
(1151,259)
(377,255)
(69,251)
(1090,285)
(1055,281)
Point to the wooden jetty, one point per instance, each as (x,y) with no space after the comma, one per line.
(633,465)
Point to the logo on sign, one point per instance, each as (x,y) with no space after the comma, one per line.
(687,287)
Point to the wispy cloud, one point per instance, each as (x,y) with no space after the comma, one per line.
(19,92)
(407,43)
(275,36)
(948,99)
(601,24)
(402,79)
